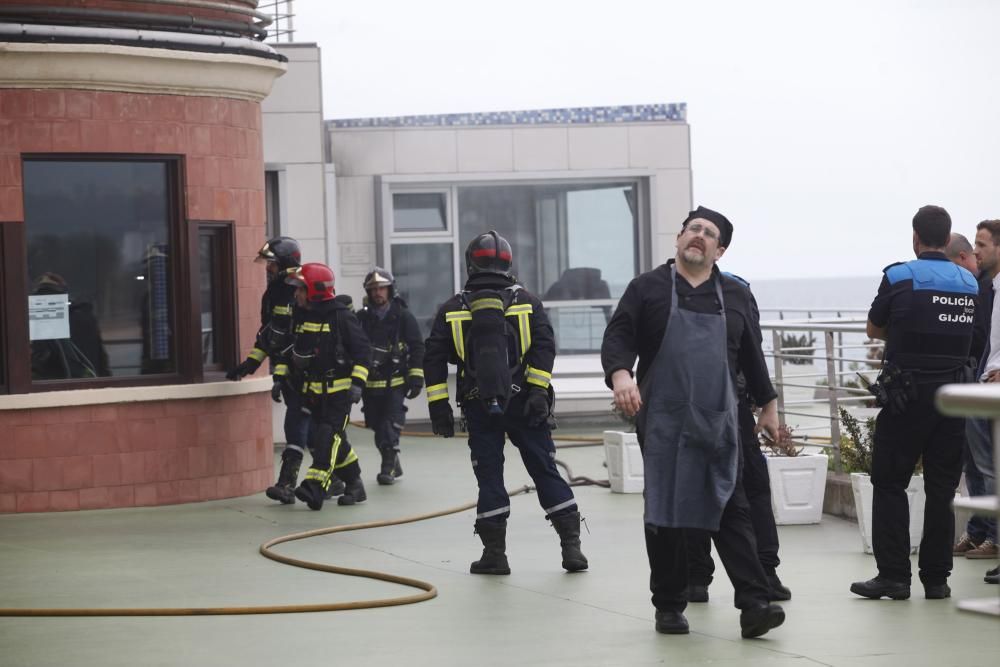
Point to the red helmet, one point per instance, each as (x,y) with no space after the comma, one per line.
(316,278)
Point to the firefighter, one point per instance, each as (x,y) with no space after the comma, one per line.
(396,371)
(498,335)
(274,340)
(332,355)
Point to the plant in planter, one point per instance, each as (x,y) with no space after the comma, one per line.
(798,481)
(856,454)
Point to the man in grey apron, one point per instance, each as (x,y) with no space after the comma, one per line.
(691,329)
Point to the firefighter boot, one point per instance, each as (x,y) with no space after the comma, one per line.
(284,489)
(387,473)
(337,487)
(354,492)
(568,527)
(312,490)
(494,537)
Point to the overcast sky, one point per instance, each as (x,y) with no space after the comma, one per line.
(818,128)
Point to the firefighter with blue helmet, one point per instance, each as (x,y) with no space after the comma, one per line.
(924,310)
(331,354)
(500,339)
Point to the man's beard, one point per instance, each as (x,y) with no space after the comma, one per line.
(694,257)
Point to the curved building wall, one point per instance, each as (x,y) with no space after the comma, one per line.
(120,441)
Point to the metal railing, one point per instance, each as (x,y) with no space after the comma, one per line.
(828,366)
(282,14)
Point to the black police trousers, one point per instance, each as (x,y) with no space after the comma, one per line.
(487,435)
(757,486)
(668,558)
(385,413)
(920,431)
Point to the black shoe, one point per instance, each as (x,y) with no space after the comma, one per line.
(992,576)
(697,593)
(756,621)
(671,623)
(353,494)
(777,591)
(937,591)
(880,587)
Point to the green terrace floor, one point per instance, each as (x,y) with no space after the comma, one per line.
(206,555)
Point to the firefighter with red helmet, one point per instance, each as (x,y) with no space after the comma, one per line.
(282,256)
(396,372)
(498,335)
(331,355)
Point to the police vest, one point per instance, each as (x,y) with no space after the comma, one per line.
(931,322)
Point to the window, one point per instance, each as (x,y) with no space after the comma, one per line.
(575,243)
(106,285)
(417,268)
(272,203)
(217,311)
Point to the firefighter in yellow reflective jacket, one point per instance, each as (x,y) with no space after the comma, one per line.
(499,337)
(332,355)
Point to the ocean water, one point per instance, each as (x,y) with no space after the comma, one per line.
(853,293)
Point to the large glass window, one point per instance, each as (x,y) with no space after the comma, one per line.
(420,211)
(423,272)
(99,255)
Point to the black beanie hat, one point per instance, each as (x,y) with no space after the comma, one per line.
(719,220)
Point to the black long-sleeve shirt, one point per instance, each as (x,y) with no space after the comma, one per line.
(640,321)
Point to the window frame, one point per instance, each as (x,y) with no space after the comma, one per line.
(225,298)
(183,235)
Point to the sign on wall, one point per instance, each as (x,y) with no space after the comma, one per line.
(48,316)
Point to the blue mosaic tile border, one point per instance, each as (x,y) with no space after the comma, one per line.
(637,113)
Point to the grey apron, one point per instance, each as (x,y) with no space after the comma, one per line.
(688,421)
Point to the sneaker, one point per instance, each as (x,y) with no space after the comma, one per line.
(879,587)
(964,544)
(988,549)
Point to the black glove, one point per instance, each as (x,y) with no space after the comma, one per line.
(355,392)
(442,420)
(246,368)
(414,384)
(276,389)
(536,406)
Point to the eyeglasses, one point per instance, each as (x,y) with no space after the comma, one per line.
(698,228)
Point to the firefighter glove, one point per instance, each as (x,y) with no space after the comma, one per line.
(246,368)
(442,420)
(414,384)
(536,406)
(276,390)
(355,392)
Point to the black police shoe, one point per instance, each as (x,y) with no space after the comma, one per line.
(992,576)
(777,591)
(697,593)
(671,623)
(756,621)
(880,587)
(937,591)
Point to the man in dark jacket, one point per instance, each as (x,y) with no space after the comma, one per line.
(396,372)
(678,319)
(499,336)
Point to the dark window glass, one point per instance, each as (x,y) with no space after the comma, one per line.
(419,212)
(423,274)
(272,204)
(101,299)
(208,286)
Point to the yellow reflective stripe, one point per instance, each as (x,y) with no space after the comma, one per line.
(282,310)
(416,372)
(457,339)
(351,458)
(537,377)
(520,308)
(321,476)
(281,369)
(360,372)
(397,381)
(437,392)
(376,384)
(312,327)
(524,325)
(257,354)
(457,316)
(481,304)
(335,386)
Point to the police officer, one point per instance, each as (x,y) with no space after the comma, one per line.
(924,310)
(499,336)
(756,483)
(396,372)
(332,354)
(274,340)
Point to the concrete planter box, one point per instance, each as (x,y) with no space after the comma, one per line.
(861,485)
(798,486)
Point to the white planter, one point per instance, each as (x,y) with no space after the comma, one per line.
(861,484)
(624,459)
(798,484)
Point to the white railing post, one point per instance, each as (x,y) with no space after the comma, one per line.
(779,386)
(832,383)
